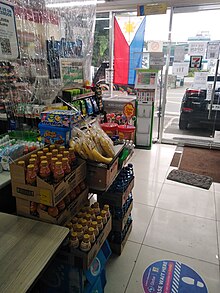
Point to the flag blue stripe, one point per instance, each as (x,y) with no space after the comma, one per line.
(136,49)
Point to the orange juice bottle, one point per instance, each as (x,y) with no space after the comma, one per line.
(44,171)
(72,157)
(45,150)
(54,152)
(61,149)
(58,172)
(33,161)
(31,175)
(59,157)
(66,166)
(53,162)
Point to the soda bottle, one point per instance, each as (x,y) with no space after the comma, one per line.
(44,171)
(53,162)
(66,166)
(31,175)
(58,172)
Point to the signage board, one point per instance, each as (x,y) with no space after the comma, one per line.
(152,9)
(180,69)
(8,33)
(213,50)
(155,46)
(195,62)
(179,54)
(200,80)
(156,60)
(197,48)
(168,276)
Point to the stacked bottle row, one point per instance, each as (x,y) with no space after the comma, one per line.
(86,226)
(123,179)
(118,213)
(118,237)
(51,164)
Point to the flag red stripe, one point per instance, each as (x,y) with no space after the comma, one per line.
(121,56)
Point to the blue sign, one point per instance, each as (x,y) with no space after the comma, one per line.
(168,276)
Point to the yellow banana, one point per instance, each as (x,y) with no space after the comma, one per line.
(109,151)
(87,150)
(99,158)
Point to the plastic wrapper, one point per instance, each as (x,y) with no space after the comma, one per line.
(47,47)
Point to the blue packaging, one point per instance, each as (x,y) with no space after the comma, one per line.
(61,118)
(54,134)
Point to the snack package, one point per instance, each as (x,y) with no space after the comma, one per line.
(89,107)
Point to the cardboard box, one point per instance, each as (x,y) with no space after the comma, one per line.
(44,192)
(82,259)
(118,248)
(101,176)
(23,209)
(116,199)
(119,225)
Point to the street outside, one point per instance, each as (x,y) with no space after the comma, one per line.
(172,113)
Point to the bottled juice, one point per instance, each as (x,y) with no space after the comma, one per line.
(91,232)
(52,147)
(52,166)
(45,150)
(33,161)
(54,152)
(94,225)
(58,172)
(104,216)
(106,208)
(60,157)
(66,166)
(43,158)
(39,154)
(44,171)
(72,157)
(49,157)
(88,218)
(85,244)
(100,223)
(74,241)
(66,154)
(61,149)
(96,208)
(92,213)
(21,164)
(84,225)
(79,230)
(31,175)
(34,156)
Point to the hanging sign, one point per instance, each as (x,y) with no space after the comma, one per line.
(8,33)
(109,75)
(179,54)
(155,46)
(213,50)
(200,80)
(152,9)
(180,69)
(197,48)
(195,62)
(168,276)
(129,110)
(156,60)
(209,92)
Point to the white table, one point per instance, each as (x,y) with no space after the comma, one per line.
(26,246)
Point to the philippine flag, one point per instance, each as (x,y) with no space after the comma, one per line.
(128,47)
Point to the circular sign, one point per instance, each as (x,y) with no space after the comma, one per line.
(129,110)
(168,276)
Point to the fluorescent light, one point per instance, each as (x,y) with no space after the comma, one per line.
(72,4)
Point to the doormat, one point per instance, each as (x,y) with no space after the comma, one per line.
(190,178)
(201,161)
(176,160)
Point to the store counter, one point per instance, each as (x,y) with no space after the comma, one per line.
(26,246)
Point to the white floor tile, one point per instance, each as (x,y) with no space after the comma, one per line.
(146,192)
(192,201)
(119,268)
(141,215)
(148,255)
(187,235)
(150,172)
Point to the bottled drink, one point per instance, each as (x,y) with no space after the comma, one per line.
(43,158)
(130,166)
(49,158)
(52,147)
(53,162)
(70,226)
(94,225)
(79,230)
(60,157)
(84,225)
(72,157)
(106,208)
(33,161)
(100,223)
(58,172)
(55,152)
(92,213)
(22,164)
(66,166)
(45,150)
(66,154)
(31,175)
(44,171)
(74,220)
(39,154)
(91,233)
(104,216)
(88,218)
(85,244)
(61,149)
(96,208)
(34,156)
(74,241)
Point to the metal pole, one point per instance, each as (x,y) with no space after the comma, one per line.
(166,76)
(213,89)
(160,99)
(111,47)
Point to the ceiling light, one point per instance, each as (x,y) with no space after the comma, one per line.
(75,3)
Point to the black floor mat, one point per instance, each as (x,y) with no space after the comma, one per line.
(190,178)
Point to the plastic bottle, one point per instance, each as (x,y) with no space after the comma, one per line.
(60,157)
(44,171)
(91,232)
(31,175)
(88,218)
(70,226)
(106,208)
(53,162)
(84,225)
(34,156)
(96,208)
(100,223)
(39,154)
(72,157)
(33,161)
(79,230)
(66,166)
(74,241)
(43,158)
(61,149)
(49,158)
(85,244)
(66,154)
(55,152)
(94,225)
(45,150)
(92,213)
(130,166)
(52,147)
(104,217)
(22,164)
(58,174)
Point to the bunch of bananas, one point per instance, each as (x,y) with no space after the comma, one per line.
(93,145)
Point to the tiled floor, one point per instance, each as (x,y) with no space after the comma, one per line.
(170,221)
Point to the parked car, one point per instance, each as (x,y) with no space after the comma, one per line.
(195,107)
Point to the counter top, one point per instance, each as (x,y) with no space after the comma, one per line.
(26,246)
(5,178)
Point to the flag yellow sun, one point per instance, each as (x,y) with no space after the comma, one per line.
(129,27)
